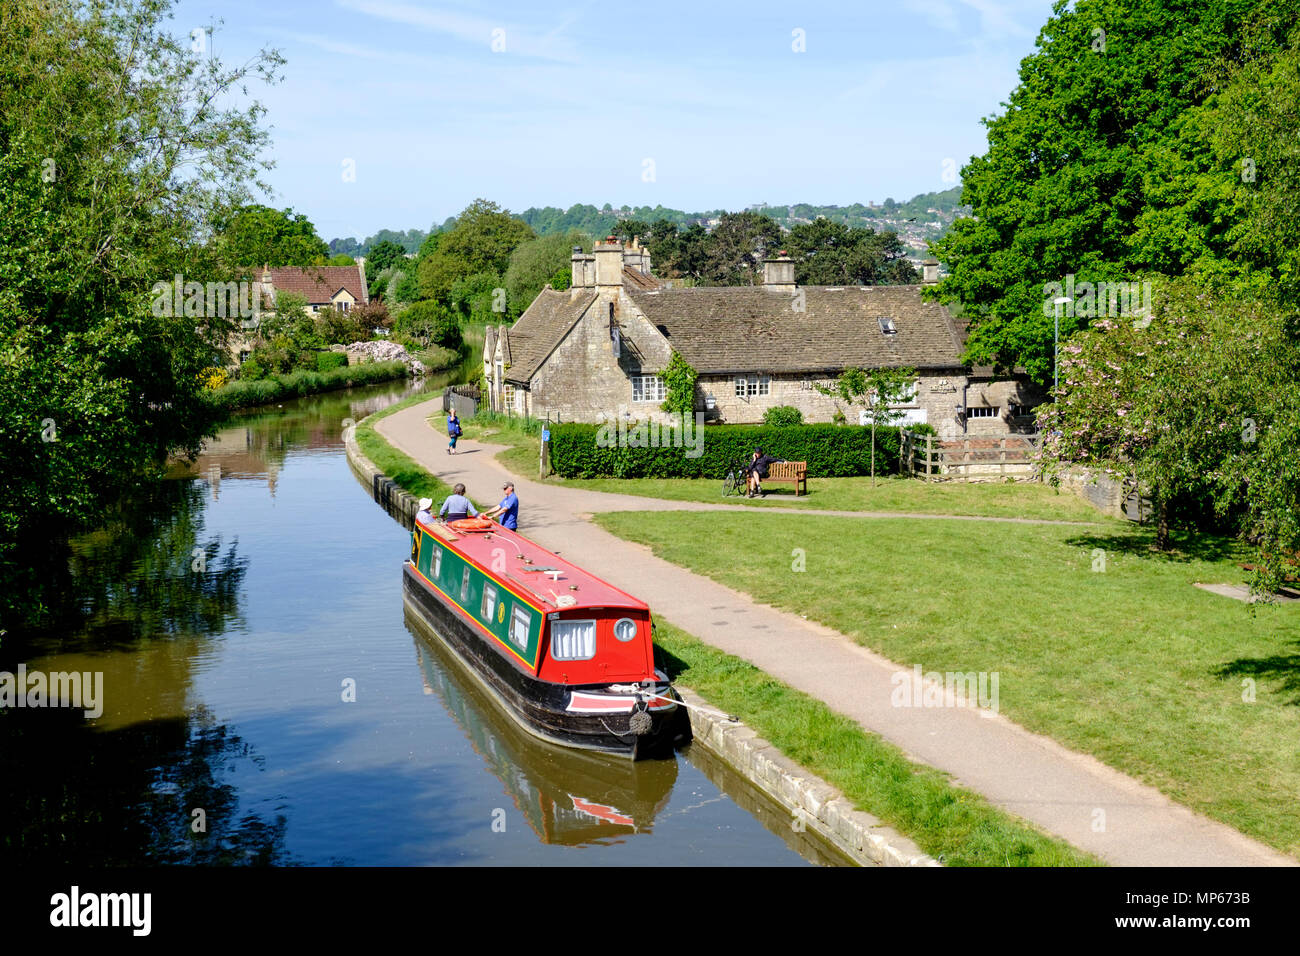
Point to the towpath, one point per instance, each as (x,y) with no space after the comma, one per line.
(1026,774)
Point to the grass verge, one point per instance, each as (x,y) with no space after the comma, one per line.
(1099,642)
(398,466)
(950,823)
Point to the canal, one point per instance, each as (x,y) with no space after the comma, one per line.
(266,701)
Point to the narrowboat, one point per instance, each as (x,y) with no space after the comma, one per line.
(570,657)
(569,797)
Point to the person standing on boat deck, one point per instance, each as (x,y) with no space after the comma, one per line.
(453,432)
(457,506)
(424,515)
(508,511)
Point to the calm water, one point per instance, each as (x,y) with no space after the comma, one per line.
(230,613)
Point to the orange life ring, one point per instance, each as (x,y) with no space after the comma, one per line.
(471,524)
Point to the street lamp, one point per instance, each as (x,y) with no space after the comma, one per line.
(1056,338)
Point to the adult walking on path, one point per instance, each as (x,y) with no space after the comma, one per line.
(453,432)
(1024,773)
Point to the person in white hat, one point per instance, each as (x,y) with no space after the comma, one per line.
(423,515)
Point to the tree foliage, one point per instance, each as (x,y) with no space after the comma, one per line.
(831,253)
(679,385)
(480,243)
(1102,166)
(255,235)
(536,262)
(118,150)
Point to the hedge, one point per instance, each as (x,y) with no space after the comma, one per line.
(831,451)
(262,391)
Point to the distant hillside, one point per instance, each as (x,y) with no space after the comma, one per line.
(917,221)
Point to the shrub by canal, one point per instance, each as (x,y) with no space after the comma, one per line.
(275,388)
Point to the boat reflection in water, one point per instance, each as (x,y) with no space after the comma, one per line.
(568,796)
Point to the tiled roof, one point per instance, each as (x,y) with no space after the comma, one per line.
(319,284)
(747,328)
(634,279)
(540,329)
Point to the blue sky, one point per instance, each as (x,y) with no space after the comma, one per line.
(690,105)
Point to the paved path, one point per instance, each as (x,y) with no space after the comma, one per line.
(1024,773)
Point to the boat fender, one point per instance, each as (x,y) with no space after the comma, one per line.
(640,722)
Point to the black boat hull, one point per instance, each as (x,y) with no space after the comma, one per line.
(540,707)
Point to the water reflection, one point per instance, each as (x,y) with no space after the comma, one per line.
(566,796)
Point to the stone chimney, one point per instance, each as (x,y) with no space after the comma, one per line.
(609,265)
(583,271)
(930,272)
(778,274)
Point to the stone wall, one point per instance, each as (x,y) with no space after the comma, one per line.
(938,395)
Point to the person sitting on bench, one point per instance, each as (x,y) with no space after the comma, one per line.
(758,471)
(457,506)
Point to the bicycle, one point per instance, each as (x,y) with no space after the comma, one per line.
(736,480)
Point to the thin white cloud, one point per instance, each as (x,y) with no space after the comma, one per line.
(480,31)
(939,13)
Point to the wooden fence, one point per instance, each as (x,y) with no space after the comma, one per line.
(969,459)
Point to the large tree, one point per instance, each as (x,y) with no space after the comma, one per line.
(831,253)
(119,146)
(1099,167)
(480,243)
(256,235)
(737,247)
(539,261)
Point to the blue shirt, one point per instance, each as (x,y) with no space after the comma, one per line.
(453,426)
(457,505)
(510,517)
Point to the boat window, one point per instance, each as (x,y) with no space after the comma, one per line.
(437,561)
(464,585)
(520,621)
(573,640)
(625,629)
(489,607)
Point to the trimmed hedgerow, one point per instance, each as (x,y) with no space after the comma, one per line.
(831,451)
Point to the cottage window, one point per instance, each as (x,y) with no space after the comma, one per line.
(521,619)
(982,411)
(907,398)
(648,388)
(508,396)
(341,306)
(748,386)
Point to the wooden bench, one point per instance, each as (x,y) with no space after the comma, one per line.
(794,472)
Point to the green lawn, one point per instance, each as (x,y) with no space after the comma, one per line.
(948,822)
(1131,663)
(987,499)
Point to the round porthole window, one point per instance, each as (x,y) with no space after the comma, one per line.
(625,629)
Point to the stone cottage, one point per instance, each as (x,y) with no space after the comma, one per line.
(595,351)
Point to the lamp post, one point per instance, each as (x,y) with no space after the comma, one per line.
(1056,338)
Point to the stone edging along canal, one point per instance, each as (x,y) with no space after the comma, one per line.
(812,802)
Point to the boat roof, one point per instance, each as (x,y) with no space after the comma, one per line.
(538,572)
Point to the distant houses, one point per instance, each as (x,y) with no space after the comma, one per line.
(337,287)
(597,350)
